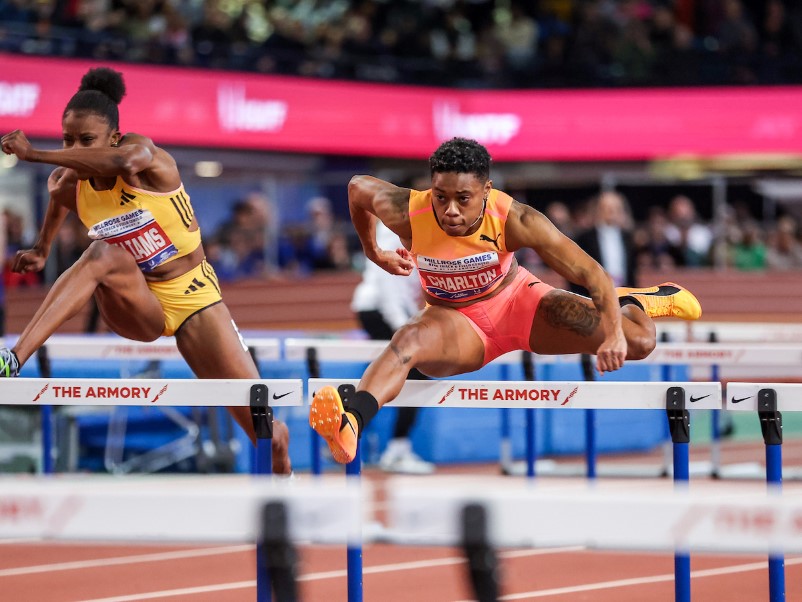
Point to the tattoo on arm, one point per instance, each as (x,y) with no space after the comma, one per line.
(566,311)
(399,201)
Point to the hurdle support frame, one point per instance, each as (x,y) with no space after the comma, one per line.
(771,423)
(679,425)
(262,418)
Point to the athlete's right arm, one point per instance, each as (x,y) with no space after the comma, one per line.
(61,186)
(371,199)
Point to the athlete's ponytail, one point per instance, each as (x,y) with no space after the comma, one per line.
(101,91)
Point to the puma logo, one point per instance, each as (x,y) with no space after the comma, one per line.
(486,238)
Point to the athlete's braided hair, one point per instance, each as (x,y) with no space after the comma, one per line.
(101,91)
(461,155)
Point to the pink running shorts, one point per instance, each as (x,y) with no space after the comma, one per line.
(504,322)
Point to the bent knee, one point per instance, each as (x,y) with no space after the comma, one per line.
(639,347)
(109,257)
(407,340)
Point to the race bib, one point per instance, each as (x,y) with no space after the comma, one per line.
(461,278)
(138,233)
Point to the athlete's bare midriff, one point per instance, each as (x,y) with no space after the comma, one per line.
(176,267)
(167,271)
(430,300)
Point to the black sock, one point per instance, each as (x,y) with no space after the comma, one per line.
(364,407)
(630,300)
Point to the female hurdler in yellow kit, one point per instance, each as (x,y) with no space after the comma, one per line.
(147,268)
(461,234)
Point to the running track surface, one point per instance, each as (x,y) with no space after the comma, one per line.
(35,572)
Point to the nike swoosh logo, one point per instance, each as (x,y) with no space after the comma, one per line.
(280,396)
(733,400)
(694,399)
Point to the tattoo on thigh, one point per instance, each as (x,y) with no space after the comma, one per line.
(564,311)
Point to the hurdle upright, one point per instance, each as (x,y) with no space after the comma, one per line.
(769,400)
(716,355)
(668,397)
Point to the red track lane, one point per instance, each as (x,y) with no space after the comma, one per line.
(577,576)
(400,574)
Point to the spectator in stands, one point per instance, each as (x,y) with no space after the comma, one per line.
(383,303)
(609,241)
(559,215)
(692,239)
(784,251)
(652,247)
(325,246)
(737,41)
(16,239)
(247,245)
(480,44)
(748,252)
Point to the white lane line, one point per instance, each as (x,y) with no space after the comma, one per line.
(121,560)
(186,591)
(434,563)
(373,570)
(739,568)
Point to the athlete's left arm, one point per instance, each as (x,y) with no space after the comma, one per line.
(527,227)
(131,156)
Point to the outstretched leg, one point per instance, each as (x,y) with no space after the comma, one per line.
(439,342)
(124,300)
(569,323)
(212,347)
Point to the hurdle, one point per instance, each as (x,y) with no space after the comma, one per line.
(714,356)
(703,355)
(113,347)
(478,514)
(769,400)
(553,394)
(312,351)
(274,514)
(433,511)
(254,394)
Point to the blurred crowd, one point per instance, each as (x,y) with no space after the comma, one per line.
(466,43)
(252,243)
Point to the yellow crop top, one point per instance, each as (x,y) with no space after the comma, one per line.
(460,268)
(152,226)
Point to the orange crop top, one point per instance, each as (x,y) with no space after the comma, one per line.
(460,268)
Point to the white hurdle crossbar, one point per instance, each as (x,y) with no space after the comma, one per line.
(191,509)
(541,394)
(260,510)
(119,348)
(163,393)
(145,392)
(526,515)
(114,347)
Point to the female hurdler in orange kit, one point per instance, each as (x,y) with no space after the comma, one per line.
(462,234)
(146,269)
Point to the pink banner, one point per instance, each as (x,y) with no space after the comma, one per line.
(236,110)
